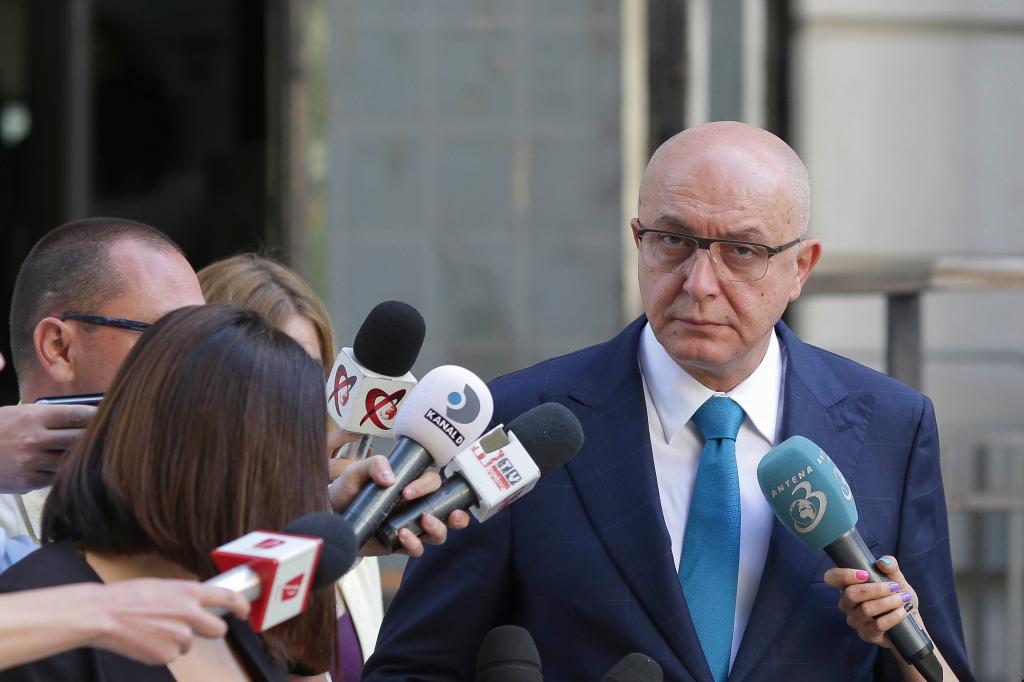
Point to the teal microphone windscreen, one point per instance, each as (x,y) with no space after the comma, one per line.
(807,492)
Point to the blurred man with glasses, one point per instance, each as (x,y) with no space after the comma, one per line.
(83,295)
(656,538)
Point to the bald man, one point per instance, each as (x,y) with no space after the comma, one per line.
(655,537)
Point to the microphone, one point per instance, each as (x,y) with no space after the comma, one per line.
(277,571)
(369,380)
(496,470)
(448,408)
(508,654)
(811,498)
(635,668)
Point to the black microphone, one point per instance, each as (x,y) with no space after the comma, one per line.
(447,409)
(549,435)
(635,668)
(508,654)
(272,570)
(812,499)
(368,381)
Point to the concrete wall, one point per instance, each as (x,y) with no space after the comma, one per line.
(474,172)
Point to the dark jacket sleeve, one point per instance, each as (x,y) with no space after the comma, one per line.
(923,548)
(449,599)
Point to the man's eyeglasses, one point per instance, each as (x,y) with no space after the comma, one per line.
(104,321)
(734,261)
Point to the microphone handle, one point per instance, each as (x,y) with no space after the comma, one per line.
(241,580)
(408,460)
(454,494)
(362,448)
(849,551)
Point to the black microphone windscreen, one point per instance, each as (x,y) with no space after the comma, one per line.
(508,654)
(390,338)
(339,548)
(635,668)
(550,433)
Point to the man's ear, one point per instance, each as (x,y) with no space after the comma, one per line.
(52,340)
(807,258)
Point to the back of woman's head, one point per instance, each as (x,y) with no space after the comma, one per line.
(212,428)
(271,289)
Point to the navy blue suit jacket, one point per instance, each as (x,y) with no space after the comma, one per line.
(584,562)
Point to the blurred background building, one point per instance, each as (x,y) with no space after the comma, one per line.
(479,159)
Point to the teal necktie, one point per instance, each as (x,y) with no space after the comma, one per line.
(710,564)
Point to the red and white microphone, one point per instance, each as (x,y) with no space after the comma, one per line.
(276,572)
(370,380)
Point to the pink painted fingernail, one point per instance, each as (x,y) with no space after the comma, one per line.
(906,597)
(894,587)
(862,575)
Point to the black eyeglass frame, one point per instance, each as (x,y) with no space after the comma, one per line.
(102,320)
(705,243)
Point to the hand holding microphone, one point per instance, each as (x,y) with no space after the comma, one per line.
(376,469)
(447,410)
(811,498)
(33,440)
(150,620)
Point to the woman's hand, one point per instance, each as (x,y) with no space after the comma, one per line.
(357,474)
(872,609)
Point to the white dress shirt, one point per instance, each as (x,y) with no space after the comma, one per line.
(672,397)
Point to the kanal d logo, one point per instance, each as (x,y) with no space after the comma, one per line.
(377,400)
(343,384)
(463,410)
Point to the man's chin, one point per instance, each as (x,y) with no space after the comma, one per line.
(692,355)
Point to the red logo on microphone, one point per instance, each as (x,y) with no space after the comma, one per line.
(343,384)
(290,590)
(377,400)
(269,543)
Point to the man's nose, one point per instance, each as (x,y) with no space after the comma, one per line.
(701,280)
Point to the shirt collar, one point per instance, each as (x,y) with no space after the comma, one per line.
(677,395)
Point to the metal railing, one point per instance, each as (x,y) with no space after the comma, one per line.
(986,502)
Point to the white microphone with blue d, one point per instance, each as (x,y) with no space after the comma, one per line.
(812,499)
(446,411)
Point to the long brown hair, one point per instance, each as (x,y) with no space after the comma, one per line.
(271,289)
(213,428)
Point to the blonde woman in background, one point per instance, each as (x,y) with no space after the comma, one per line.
(289,304)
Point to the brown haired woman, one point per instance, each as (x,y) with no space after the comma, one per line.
(287,302)
(212,428)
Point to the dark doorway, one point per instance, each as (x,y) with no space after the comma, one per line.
(153,111)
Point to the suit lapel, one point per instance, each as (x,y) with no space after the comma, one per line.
(615,478)
(815,405)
